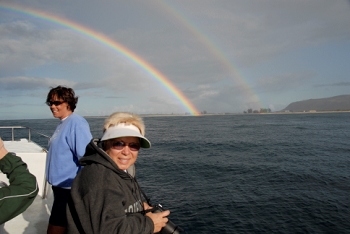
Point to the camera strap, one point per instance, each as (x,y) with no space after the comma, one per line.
(148,200)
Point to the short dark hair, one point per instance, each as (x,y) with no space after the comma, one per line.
(64,93)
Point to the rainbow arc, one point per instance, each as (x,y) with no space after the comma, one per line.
(115,46)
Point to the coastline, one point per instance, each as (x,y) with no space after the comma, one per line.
(201,115)
(219,114)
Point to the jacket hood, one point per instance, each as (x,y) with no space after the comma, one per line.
(95,154)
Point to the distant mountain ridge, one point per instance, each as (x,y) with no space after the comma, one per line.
(336,103)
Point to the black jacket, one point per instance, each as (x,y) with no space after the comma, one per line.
(105,199)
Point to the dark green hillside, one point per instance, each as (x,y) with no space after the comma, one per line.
(336,103)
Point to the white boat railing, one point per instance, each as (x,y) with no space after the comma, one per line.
(29,138)
(30,130)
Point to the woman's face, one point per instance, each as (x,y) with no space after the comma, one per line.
(59,108)
(123,151)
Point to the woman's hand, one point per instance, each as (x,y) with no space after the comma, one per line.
(146,206)
(3,150)
(159,219)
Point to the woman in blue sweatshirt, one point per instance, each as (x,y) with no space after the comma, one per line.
(67,145)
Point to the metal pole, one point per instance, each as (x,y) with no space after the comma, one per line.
(29,135)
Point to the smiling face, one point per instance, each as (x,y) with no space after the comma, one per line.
(59,108)
(126,155)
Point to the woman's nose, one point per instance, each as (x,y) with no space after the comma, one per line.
(126,150)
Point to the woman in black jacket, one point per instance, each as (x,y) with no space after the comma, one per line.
(106,197)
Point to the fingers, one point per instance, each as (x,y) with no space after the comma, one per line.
(165,220)
(166,213)
(159,219)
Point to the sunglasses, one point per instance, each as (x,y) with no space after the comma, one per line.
(119,145)
(56,103)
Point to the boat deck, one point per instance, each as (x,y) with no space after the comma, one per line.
(23,146)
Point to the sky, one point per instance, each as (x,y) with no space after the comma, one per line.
(171,57)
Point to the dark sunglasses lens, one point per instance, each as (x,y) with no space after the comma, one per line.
(118,145)
(134,147)
(56,103)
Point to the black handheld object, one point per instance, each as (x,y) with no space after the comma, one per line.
(170,227)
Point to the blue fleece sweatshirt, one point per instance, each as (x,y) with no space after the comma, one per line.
(67,145)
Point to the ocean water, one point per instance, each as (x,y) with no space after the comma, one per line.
(278,173)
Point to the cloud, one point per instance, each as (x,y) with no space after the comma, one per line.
(114,97)
(283,82)
(25,46)
(31,83)
(252,32)
(340,84)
